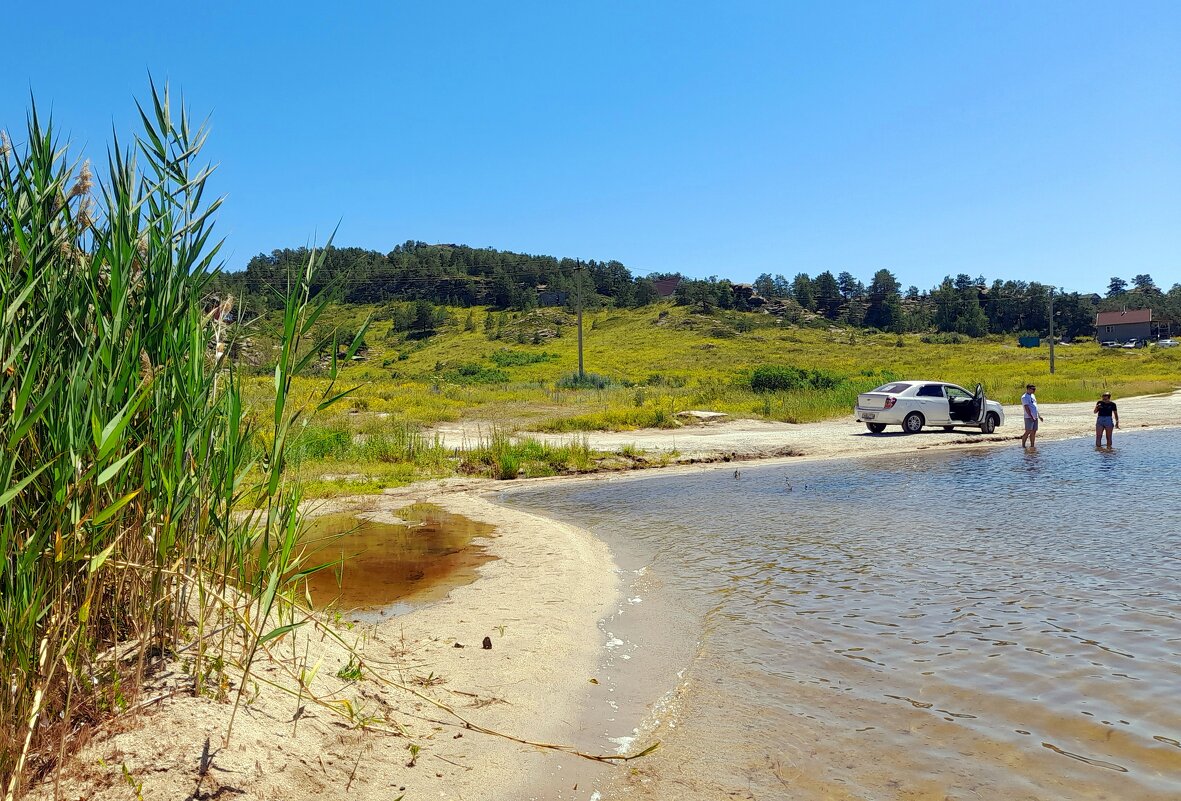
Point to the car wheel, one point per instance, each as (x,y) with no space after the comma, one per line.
(989,424)
(912,423)
(949,428)
(876,428)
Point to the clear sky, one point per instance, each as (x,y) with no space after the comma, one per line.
(1032,140)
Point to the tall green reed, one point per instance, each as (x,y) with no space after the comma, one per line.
(127,457)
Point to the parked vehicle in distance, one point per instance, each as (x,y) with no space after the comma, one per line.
(914,404)
(1135,343)
(1111,343)
(1166,343)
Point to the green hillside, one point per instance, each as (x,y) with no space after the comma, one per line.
(502,372)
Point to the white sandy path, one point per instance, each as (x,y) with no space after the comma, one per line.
(754,439)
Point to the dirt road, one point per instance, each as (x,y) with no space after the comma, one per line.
(755,439)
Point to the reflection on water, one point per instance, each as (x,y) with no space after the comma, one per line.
(994,624)
(377,563)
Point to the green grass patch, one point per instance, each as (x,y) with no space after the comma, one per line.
(520,358)
(504,457)
(476,374)
(612,420)
(584,381)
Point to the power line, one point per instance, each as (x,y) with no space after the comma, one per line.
(394,278)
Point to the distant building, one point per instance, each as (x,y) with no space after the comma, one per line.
(552,297)
(1120,326)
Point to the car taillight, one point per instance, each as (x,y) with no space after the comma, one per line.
(890,401)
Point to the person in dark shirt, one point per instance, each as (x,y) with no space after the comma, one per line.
(1107,419)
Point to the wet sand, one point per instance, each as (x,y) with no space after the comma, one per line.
(539,601)
(391,567)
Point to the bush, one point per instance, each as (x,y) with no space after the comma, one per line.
(661,380)
(783,378)
(947,338)
(585,381)
(476,374)
(321,442)
(519,358)
(772,378)
(819,379)
(503,457)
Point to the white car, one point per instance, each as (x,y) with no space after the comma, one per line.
(914,404)
(1166,343)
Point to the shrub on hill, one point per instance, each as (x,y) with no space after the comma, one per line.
(520,358)
(585,381)
(781,378)
(950,338)
(476,374)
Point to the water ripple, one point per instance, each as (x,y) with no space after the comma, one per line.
(1001,592)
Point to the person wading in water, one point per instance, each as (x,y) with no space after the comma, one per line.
(1032,418)
(1107,415)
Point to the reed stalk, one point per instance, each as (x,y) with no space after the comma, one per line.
(135,492)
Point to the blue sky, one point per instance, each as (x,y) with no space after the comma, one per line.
(1039,141)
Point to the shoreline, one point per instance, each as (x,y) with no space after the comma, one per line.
(750,443)
(550,587)
(539,601)
(756,440)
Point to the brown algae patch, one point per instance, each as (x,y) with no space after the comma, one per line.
(374,563)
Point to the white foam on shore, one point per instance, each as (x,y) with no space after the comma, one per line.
(624,744)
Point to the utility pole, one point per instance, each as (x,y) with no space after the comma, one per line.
(578,297)
(1051,330)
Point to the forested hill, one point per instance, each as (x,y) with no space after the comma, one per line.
(461,276)
(452,275)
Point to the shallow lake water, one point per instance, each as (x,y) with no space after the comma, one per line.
(973,624)
(392,566)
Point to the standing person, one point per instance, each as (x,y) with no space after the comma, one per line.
(1107,414)
(1032,418)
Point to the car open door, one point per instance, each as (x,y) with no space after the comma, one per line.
(979,404)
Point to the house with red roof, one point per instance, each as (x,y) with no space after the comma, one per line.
(1120,326)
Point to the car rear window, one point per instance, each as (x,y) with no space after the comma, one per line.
(897,386)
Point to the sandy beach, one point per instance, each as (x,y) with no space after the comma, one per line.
(539,602)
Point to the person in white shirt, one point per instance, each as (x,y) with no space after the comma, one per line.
(1032,418)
